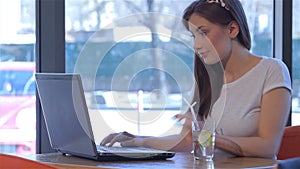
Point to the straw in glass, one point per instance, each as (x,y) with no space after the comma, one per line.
(191,106)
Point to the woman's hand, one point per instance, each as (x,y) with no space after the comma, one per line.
(184,119)
(124,138)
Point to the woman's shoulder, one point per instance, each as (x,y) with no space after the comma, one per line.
(273,64)
(277,73)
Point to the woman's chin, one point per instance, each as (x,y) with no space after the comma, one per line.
(210,61)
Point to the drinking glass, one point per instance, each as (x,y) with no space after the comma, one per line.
(204,141)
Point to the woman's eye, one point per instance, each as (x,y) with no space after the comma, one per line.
(203,33)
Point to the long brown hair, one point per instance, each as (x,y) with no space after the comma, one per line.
(209,78)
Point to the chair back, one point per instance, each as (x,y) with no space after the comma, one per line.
(290,143)
(12,161)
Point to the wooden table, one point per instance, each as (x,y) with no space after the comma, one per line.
(181,160)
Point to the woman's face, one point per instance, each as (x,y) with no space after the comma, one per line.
(211,41)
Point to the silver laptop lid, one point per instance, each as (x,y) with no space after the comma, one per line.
(66,113)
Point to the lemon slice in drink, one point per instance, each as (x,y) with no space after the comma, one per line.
(204,138)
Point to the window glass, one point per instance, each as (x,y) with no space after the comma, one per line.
(136,60)
(296,65)
(260,21)
(17,84)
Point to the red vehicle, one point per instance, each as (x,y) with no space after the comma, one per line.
(17,108)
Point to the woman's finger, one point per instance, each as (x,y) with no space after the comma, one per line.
(180,116)
(116,137)
(108,139)
(121,137)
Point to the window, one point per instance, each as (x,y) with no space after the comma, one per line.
(296,65)
(260,21)
(132,75)
(17,84)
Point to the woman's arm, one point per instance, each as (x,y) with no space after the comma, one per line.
(179,142)
(275,108)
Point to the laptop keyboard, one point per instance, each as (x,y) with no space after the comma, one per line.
(126,149)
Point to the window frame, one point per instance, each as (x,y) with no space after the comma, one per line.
(50,55)
(282,36)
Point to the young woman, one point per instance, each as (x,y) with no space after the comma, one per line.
(248,96)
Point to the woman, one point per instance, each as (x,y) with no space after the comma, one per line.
(247,95)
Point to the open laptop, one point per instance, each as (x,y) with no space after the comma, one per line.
(68,122)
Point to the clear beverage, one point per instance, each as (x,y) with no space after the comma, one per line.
(208,151)
(196,145)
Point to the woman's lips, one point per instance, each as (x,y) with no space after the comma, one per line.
(203,54)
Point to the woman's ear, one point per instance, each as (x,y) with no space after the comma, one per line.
(233,29)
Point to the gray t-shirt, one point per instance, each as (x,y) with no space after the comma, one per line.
(236,112)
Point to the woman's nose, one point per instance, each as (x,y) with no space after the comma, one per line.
(198,43)
(197,47)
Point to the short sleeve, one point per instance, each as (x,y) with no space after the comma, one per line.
(277,75)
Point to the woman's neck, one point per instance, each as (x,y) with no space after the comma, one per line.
(238,63)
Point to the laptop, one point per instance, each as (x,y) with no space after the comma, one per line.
(68,123)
